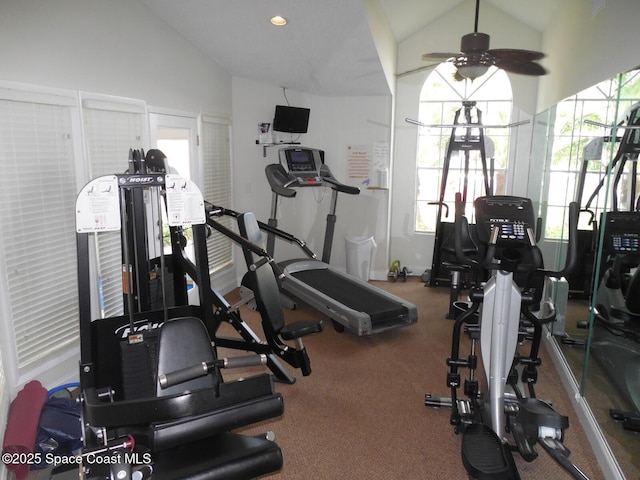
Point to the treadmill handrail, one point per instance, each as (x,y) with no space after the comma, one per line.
(280,180)
(327,177)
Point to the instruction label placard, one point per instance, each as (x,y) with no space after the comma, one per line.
(185,205)
(98,206)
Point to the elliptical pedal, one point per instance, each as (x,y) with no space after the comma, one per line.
(484,456)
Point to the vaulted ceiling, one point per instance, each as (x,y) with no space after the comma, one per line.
(326,48)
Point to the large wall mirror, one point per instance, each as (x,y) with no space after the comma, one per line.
(585,149)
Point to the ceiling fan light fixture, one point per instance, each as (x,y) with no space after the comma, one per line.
(278,21)
(472,66)
(472,71)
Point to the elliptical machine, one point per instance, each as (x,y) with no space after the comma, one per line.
(615,343)
(500,317)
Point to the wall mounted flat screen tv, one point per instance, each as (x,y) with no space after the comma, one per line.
(291,119)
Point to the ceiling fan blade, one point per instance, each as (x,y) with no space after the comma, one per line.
(416,70)
(522,68)
(517,55)
(439,56)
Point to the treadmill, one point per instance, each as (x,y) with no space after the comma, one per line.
(350,302)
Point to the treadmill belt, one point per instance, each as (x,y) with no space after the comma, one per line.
(351,294)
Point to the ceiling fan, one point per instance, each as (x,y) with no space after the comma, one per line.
(475,57)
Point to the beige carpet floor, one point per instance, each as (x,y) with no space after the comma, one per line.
(361,413)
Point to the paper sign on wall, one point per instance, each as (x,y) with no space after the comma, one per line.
(359,163)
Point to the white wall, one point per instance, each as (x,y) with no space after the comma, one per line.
(588,49)
(334,124)
(386,44)
(117,47)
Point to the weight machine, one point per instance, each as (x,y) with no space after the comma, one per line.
(152,395)
(445,268)
(152,391)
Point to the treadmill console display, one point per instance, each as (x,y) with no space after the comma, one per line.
(300,160)
(303,164)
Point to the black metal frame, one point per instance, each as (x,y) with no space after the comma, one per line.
(440,272)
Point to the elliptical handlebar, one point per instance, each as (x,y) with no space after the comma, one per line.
(536,255)
(572,247)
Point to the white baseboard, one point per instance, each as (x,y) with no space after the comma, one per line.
(605,457)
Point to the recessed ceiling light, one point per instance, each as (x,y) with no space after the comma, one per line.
(278,20)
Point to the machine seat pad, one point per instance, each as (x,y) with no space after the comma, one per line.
(167,435)
(230,456)
(456,266)
(300,329)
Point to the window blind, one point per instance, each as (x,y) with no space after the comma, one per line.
(109,134)
(4,398)
(216,167)
(37,203)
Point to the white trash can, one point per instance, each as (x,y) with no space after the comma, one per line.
(359,253)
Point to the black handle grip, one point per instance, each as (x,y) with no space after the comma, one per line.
(173,378)
(200,370)
(572,245)
(327,177)
(244,361)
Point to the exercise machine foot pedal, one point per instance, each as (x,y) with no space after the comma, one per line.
(535,413)
(484,455)
(630,420)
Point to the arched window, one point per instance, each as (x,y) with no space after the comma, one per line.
(442,95)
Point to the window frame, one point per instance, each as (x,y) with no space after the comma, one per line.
(219,248)
(16,371)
